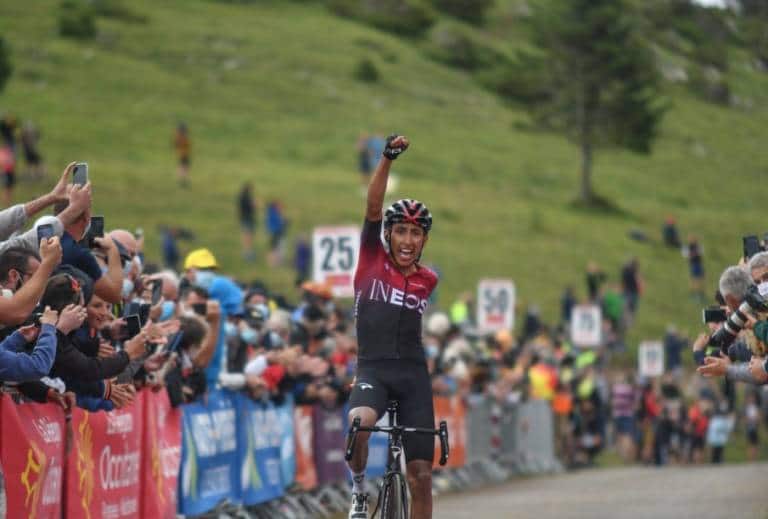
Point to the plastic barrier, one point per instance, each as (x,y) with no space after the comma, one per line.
(479,428)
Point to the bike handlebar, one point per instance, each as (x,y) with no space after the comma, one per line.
(441,432)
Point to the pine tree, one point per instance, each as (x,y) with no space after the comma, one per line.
(598,79)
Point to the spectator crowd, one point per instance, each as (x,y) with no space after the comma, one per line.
(86,321)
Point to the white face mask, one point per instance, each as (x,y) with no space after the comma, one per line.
(762,288)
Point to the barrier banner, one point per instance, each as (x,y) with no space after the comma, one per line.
(161,456)
(306,473)
(209,462)
(329,444)
(287,447)
(451,409)
(260,438)
(32,456)
(103,468)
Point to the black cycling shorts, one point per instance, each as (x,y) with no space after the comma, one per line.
(409,383)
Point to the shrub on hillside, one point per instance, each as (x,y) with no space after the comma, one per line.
(405,17)
(454,45)
(710,85)
(118,10)
(77,19)
(366,71)
(472,11)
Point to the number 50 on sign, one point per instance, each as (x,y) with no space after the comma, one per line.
(495,305)
(334,258)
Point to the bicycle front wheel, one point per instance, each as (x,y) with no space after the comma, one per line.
(395,498)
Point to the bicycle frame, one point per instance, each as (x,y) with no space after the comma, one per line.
(394,474)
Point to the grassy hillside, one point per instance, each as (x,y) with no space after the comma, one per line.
(269,93)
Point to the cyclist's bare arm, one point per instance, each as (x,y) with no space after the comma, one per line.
(378,185)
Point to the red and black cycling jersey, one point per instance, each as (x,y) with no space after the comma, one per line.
(388,305)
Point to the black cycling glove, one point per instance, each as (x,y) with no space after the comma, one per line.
(390,152)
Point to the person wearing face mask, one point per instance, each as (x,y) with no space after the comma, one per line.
(107,285)
(200,267)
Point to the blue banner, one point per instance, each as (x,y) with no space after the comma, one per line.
(377,452)
(260,440)
(288,446)
(209,454)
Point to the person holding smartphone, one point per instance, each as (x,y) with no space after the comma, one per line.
(391,293)
(13,219)
(23,276)
(107,285)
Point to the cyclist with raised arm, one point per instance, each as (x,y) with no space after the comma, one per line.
(391,293)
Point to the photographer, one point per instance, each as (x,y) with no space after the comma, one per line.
(734,285)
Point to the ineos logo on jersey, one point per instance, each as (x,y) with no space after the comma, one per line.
(385,292)
(364,385)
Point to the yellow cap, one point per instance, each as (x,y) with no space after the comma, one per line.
(200,259)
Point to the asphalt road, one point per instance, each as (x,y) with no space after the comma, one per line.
(717,492)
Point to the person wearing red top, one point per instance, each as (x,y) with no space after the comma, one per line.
(391,293)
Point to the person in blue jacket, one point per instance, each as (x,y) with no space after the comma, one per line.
(19,366)
(201,269)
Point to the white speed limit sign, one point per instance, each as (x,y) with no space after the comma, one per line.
(495,305)
(334,258)
(586,326)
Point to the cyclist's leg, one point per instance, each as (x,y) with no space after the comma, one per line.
(417,410)
(368,401)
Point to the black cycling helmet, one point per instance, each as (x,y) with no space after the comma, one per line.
(408,210)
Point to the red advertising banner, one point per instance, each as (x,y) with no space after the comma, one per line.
(452,410)
(103,472)
(161,455)
(32,456)
(306,473)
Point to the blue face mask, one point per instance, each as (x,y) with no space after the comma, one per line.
(127,288)
(169,307)
(230,330)
(249,335)
(204,278)
(433,350)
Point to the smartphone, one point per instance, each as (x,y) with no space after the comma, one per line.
(45,231)
(96,230)
(80,173)
(751,246)
(713,314)
(175,343)
(199,308)
(157,291)
(131,308)
(133,323)
(144,309)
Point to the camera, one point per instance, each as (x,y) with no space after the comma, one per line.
(33,319)
(753,304)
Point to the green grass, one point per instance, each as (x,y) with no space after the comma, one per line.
(269,93)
